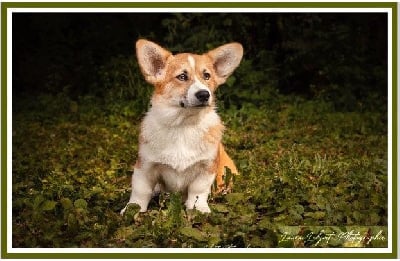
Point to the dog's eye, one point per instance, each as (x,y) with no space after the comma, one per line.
(206,76)
(182,77)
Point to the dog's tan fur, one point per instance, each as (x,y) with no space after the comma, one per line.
(180,145)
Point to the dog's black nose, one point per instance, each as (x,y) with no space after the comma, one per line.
(202,95)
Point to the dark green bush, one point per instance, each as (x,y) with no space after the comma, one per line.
(341,58)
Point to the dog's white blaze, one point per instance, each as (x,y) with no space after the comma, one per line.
(193,89)
(192,62)
(196,86)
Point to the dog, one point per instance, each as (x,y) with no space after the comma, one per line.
(180,147)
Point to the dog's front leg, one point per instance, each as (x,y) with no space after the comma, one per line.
(198,192)
(143,183)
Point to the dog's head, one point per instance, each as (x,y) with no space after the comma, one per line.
(187,80)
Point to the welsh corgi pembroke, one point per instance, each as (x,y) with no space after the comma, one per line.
(180,146)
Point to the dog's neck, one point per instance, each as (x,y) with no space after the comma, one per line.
(176,116)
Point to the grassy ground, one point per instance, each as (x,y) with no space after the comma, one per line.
(305,168)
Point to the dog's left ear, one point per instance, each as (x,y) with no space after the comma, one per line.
(225,60)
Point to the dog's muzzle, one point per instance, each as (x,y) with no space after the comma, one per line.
(197,96)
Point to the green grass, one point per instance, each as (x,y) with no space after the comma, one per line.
(305,168)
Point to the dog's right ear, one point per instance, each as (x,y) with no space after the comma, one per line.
(152,60)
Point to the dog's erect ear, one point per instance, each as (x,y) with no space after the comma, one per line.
(152,60)
(225,59)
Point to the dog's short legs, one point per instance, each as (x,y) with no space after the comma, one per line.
(198,192)
(142,190)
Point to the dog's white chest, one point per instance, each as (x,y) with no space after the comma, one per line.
(178,146)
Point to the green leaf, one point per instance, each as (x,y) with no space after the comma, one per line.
(299,209)
(80,203)
(38,201)
(356,215)
(220,208)
(49,205)
(231,81)
(72,222)
(281,209)
(66,203)
(315,215)
(295,215)
(193,233)
(280,218)
(375,218)
(234,198)
(124,232)
(214,241)
(264,224)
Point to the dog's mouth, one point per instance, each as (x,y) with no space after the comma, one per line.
(196,106)
(202,105)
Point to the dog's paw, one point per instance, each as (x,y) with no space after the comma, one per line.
(203,208)
(198,204)
(133,205)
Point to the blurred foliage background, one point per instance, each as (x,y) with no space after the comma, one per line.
(340,58)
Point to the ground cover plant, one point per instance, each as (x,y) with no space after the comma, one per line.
(312,160)
(301,163)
